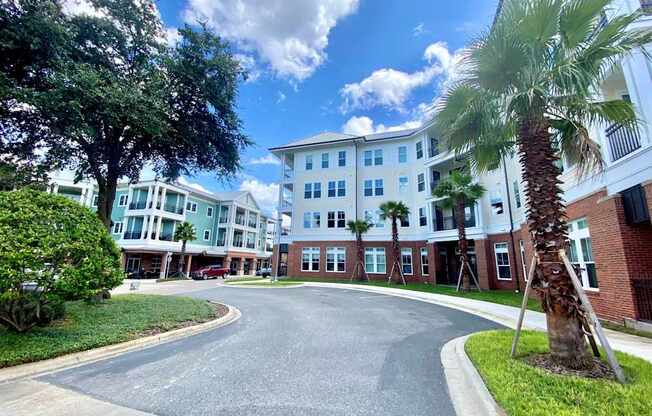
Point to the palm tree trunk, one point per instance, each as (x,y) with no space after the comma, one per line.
(464,245)
(362,276)
(548,229)
(182,260)
(396,251)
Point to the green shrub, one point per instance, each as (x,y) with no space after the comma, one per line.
(55,245)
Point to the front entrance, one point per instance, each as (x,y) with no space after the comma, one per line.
(448,269)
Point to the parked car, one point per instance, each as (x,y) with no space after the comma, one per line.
(211,272)
(264,272)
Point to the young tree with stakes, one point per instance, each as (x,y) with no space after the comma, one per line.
(185,232)
(395,211)
(458,191)
(530,82)
(358,228)
(105,95)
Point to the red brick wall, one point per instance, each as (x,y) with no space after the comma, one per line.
(295,251)
(491,274)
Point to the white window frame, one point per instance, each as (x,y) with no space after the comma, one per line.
(578,230)
(404,222)
(315,220)
(325,160)
(407,253)
(424,216)
(313,257)
(402,154)
(517,195)
(191,206)
(419,149)
(375,253)
(368,161)
(502,248)
(336,256)
(424,255)
(341,161)
(403,184)
(117,227)
(378,157)
(123,199)
(209,212)
(309,163)
(421,182)
(209,235)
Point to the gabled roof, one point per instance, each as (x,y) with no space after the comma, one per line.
(390,134)
(325,137)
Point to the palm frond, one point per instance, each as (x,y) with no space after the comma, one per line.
(578,20)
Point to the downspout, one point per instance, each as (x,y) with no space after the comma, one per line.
(511,224)
(355,183)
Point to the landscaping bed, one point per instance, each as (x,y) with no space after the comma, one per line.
(502,297)
(522,389)
(87,326)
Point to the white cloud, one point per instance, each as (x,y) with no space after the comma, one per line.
(80,7)
(183,181)
(266,194)
(391,88)
(268,159)
(363,125)
(172,36)
(281,97)
(248,63)
(290,35)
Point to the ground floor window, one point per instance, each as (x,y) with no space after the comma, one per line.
(156,264)
(133,263)
(581,252)
(335,259)
(425,269)
(375,260)
(310,259)
(406,260)
(521,245)
(502,261)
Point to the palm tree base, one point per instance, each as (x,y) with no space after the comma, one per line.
(566,340)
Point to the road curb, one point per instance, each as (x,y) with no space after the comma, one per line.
(466,388)
(252,286)
(85,357)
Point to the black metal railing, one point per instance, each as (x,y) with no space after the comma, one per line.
(643,297)
(132,235)
(138,205)
(173,209)
(251,245)
(166,237)
(622,140)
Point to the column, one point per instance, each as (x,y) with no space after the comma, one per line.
(150,228)
(130,195)
(163,195)
(164,264)
(188,263)
(158,227)
(148,201)
(241,267)
(143,230)
(123,260)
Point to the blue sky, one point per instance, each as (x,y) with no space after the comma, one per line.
(340,65)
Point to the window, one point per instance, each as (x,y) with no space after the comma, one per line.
(312,190)
(421,182)
(368,188)
(502,261)
(423,219)
(341,188)
(307,191)
(96,198)
(368,157)
(403,184)
(405,221)
(336,188)
(374,218)
(332,189)
(308,162)
(378,157)
(191,206)
(207,235)
(581,252)
(419,149)
(310,259)
(307,219)
(341,219)
(378,189)
(324,160)
(122,202)
(434,147)
(374,260)
(209,211)
(335,259)
(402,154)
(517,194)
(341,158)
(336,219)
(155,265)
(117,228)
(521,246)
(221,237)
(406,260)
(330,219)
(425,270)
(316,220)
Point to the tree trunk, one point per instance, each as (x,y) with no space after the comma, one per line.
(548,230)
(182,260)
(396,250)
(362,276)
(105,199)
(463,244)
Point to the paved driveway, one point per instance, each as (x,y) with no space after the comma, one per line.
(301,351)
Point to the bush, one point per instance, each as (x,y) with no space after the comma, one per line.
(50,247)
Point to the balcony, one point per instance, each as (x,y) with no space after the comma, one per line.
(447,222)
(622,141)
(132,235)
(288,175)
(166,237)
(173,209)
(251,245)
(138,205)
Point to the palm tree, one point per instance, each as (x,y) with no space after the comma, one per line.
(530,82)
(359,227)
(458,191)
(185,232)
(395,211)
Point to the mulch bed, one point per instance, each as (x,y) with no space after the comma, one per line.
(219,311)
(598,370)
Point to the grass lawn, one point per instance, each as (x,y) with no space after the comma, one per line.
(503,297)
(87,326)
(523,390)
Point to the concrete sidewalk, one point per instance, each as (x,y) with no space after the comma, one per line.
(505,315)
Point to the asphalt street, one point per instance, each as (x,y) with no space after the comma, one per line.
(295,351)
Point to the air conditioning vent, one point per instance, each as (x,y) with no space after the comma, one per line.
(635,204)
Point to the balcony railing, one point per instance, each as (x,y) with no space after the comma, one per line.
(166,237)
(173,209)
(132,235)
(288,174)
(622,140)
(138,205)
(251,245)
(240,220)
(446,223)
(237,243)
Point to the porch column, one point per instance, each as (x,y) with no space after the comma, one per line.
(241,267)
(188,264)
(165,259)
(158,227)
(145,227)
(123,260)
(150,227)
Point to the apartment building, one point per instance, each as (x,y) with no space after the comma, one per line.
(331,178)
(230,227)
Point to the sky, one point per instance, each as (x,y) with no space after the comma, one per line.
(352,66)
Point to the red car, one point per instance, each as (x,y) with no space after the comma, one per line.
(211,272)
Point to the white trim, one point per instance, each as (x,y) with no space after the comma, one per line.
(509,263)
(421,250)
(405,250)
(121,202)
(311,253)
(209,235)
(115,224)
(338,251)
